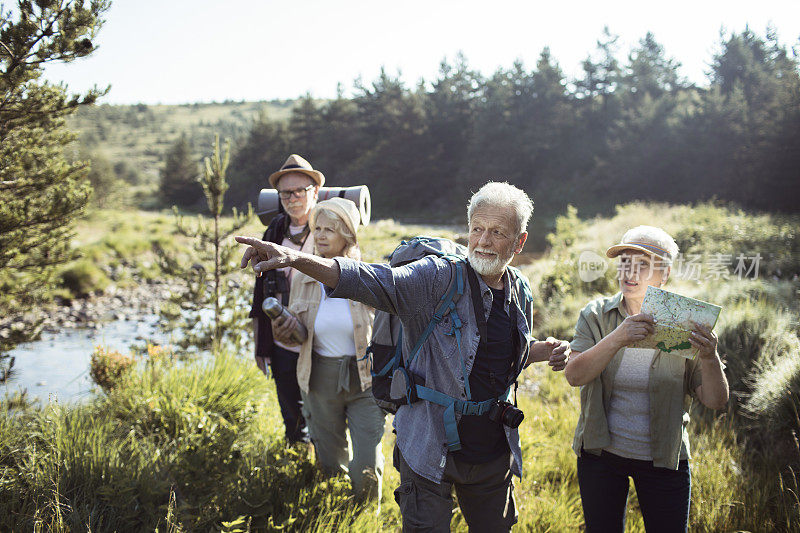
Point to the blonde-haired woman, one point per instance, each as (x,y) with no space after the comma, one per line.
(633,400)
(334,380)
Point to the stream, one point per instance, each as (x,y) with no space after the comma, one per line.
(56,367)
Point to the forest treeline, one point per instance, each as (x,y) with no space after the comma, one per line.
(628,128)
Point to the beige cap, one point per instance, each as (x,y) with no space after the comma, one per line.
(344,209)
(648,239)
(295,163)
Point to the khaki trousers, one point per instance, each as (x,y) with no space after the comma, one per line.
(335,403)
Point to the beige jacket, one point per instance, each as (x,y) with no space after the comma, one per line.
(304,300)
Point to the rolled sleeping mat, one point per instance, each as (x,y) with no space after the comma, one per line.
(269,203)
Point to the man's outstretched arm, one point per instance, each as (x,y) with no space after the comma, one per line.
(266,256)
(407,291)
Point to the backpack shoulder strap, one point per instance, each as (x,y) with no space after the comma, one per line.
(446,305)
(518,279)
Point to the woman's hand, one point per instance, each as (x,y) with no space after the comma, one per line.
(633,329)
(704,340)
(282,328)
(713,393)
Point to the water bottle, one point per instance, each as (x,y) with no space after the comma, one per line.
(273,309)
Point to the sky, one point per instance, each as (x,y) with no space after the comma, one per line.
(185,51)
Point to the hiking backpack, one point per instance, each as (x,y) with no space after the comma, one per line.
(385,350)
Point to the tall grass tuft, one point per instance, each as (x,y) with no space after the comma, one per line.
(198,445)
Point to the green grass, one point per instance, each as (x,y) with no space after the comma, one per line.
(209,436)
(207,433)
(117,246)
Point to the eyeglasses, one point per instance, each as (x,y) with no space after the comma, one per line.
(297,193)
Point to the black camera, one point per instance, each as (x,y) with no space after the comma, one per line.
(506,413)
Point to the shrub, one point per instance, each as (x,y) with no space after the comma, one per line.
(710,229)
(108,367)
(775,384)
(83,278)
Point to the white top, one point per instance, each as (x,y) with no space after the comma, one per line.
(333,327)
(308,247)
(628,413)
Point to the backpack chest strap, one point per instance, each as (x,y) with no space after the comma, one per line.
(452,407)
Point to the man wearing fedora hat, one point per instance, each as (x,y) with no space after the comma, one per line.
(298,185)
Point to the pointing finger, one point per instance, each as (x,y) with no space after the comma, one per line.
(241,239)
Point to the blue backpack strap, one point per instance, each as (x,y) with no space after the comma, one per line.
(446,306)
(366,354)
(517,277)
(523,290)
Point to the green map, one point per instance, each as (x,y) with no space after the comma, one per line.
(674,315)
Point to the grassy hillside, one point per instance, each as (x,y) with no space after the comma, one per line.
(198,447)
(138,135)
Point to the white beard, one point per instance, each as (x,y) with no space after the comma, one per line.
(488,267)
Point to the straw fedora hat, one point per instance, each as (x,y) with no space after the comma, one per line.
(295,163)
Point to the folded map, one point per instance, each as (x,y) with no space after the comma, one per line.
(674,316)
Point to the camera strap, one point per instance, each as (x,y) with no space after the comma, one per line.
(299,239)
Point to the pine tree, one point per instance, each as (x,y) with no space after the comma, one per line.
(179,175)
(41,192)
(213,264)
(263,151)
(306,128)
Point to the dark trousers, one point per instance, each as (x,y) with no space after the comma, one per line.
(663,493)
(283,364)
(485,494)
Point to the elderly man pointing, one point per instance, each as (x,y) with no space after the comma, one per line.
(470,371)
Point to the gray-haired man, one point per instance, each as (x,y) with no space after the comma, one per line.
(495,344)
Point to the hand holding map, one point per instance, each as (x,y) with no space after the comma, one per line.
(705,341)
(635,328)
(674,317)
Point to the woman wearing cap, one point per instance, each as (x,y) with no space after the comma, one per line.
(334,379)
(634,406)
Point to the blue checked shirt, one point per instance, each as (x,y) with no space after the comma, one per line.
(412,292)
